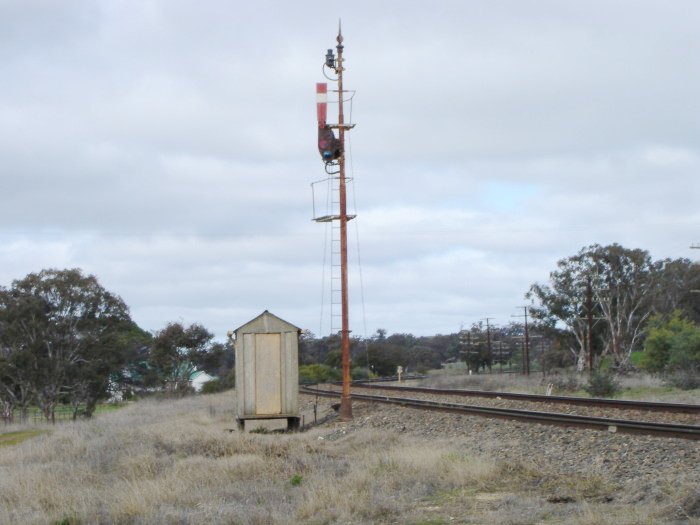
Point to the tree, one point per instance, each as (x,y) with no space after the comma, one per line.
(334,359)
(475,347)
(17,360)
(384,357)
(672,344)
(314,350)
(380,335)
(108,368)
(623,283)
(677,280)
(63,324)
(563,301)
(177,352)
(135,376)
(15,387)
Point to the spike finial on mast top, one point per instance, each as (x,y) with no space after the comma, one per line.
(340,33)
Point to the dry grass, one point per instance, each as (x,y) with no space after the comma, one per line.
(176,462)
(635,386)
(495,381)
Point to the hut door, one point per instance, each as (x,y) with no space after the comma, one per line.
(268,374)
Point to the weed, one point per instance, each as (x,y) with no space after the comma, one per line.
(602,385)
(296,480)
(566,383)
(685,379)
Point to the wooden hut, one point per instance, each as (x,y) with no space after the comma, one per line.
(267,372)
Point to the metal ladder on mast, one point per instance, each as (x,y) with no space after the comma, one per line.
(332,216)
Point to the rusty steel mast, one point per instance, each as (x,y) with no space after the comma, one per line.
(332,151)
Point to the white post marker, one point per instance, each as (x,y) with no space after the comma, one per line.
(399,371)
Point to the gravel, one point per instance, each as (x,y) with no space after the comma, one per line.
(639,467)
(613,413)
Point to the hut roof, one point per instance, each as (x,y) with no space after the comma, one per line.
(266,323)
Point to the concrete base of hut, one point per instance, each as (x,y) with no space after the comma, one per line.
(269,424)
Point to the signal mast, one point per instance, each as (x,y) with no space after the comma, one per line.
(332,150)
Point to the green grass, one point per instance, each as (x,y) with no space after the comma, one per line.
(103,408)
(642,392)
(64,412)
(14,438)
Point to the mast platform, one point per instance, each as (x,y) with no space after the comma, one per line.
(331,218)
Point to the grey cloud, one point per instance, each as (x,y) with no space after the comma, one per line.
(168,148)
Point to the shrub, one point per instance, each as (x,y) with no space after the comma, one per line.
(214,386)
(566,383)
(318,374)
(636,359)
(296,480)
(602,385)
(360,372)
(671,345)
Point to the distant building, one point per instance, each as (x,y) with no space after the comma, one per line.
(199,378)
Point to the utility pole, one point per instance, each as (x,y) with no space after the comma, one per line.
(332,151)
(526,367)
(500,356)
(589,308)
(488,342)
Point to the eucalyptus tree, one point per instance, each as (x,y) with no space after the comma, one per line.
(178,351)
(679,283)
(563,300)
(18,365)
(108,368)
(16,385)
(62,324)
(623,285)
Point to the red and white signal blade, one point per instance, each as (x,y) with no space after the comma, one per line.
(321,103)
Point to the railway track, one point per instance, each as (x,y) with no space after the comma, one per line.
(651,406)
(669,430)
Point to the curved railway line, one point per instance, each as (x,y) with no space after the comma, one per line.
(662,429)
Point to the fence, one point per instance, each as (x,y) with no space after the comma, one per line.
(34,415)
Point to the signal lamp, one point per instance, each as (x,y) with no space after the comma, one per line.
(330,59)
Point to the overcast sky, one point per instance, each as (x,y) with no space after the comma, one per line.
(168,147)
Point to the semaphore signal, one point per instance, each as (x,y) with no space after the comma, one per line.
(332,151)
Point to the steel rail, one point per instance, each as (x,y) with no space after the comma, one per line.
(677,408)
(669,430)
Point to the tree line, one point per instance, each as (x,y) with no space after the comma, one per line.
(378,354)
(630,310)
(65,339)
(610,298)
(477,348)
